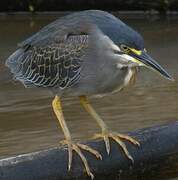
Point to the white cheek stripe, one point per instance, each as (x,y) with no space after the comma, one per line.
(127,57)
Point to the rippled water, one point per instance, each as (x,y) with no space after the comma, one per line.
(27,122)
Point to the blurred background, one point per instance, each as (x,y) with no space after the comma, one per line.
(162,6)
(27,122)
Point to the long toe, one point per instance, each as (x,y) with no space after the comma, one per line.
(118,138)
(122,145)
(128,138)
(77,147)
(105,137)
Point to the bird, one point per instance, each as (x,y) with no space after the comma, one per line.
(85,54)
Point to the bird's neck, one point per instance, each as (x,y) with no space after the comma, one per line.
(130,77)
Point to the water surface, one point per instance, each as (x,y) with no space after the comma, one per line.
(27,122)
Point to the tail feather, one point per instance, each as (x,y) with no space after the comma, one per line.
(14,61)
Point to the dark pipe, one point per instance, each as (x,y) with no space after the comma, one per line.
(157,158)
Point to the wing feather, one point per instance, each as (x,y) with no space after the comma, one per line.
(56,65)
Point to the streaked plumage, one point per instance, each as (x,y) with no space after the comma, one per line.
(82,54)
(56,65)
(54,56)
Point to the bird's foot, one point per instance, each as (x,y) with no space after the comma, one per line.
(118,138)
(77,147)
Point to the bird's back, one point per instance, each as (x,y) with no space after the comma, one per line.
(76,23)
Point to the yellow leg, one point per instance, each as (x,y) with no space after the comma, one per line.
(106,134)
(68,140)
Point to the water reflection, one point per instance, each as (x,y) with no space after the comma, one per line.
(27,122)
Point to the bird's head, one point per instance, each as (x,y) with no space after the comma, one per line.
(130,48)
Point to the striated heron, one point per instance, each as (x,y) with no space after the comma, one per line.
(88,53)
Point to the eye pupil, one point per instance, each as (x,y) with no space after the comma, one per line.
(124,47)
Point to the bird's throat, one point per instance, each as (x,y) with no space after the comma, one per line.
(130,77)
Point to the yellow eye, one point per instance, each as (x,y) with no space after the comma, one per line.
(124,48)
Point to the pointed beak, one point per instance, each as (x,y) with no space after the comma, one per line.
(143,59)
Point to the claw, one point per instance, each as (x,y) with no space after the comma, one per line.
(107,143)
(70,157)
(118,138)
(77,148)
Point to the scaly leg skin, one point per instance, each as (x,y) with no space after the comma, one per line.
(77,147)
(106,134)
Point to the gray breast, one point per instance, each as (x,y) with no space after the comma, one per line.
(99,82)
